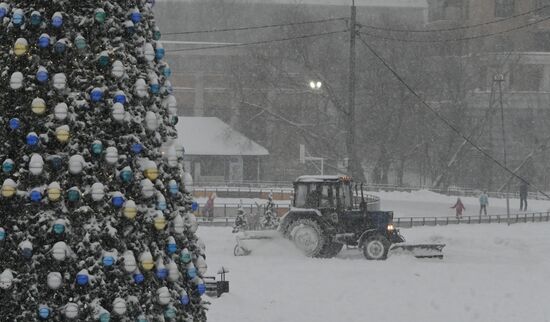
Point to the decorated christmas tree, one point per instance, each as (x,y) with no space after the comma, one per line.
(96,222)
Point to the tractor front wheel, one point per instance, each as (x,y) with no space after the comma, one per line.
(376,247)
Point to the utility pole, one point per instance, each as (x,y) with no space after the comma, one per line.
(499,78)
(354,166)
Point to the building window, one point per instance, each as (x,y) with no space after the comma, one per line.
(526,78)
(504,8)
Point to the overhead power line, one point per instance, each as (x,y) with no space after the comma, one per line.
(456,39)
(444,120)
(459,27)
(255,27)
(259,42)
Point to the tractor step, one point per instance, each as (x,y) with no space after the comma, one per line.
(419,250)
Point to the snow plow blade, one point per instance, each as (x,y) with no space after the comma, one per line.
(420,250)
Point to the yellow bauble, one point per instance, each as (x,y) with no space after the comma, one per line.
(147,265)
(54,194)
(20,49)
(8,191)
(38,107)
(130,212)
(152,174)
(62,136)
(160,223)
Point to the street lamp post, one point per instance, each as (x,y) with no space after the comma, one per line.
(499,78)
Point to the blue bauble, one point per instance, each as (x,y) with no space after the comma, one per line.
(161,205)
(17,19)
(184,299)
(8,166)
(118,201)
(174,189)
(171,248)
(139,278)
(44,41)
(26,252)
(35,196)
(57,21)
(135,17)
(159,53)
(2,235)
(170,313)
(59,229)
(3,12)
(96,95)
(108,261)
(36,19)
(82,279)
(97,148)
(56,162)
(137,148)
(73,195)
(191,272)
(15,124)
(59,47)
(32,139)
(42,76)
(155,88)
(105,317)
(120,98)
(142,319)
(162,273)
(167,71)
(44,313)
(126,176)
(201,288)
(185,257)
(194,206)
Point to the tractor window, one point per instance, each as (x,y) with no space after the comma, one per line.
(300,198)
(345,196)
(327,197)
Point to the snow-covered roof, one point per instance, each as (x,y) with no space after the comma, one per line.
(359,3)
(318,178)
(211,136)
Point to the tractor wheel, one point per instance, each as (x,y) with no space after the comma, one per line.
(307,235)
(376,247)
(331,249)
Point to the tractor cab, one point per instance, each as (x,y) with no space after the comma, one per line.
(323,193)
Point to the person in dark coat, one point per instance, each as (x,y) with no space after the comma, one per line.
(459,207)
(523,196)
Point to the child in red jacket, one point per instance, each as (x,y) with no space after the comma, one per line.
(459,207)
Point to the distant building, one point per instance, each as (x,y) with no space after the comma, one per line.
(215,152)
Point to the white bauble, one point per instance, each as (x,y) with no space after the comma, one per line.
(61,111)
(201,265)
(119,306)
(140,88)
(16,80)
(163,295)
(59,251)
(98,191)
(149,52)
(173,272)
(54,280)
(76,164)
(118,112)
(118,69)
(71,310)
(111,155)
(151,121)
(147,188)
(179,224)
(130,264)
(36,165)
(6,279)
(59,81)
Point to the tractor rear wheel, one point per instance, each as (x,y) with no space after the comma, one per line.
(308,236)
(376,247)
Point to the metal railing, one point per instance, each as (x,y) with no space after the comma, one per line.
(410,222)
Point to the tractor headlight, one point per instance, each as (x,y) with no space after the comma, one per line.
(390,227)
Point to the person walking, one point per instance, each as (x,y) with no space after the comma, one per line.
(483,203)
(459,208)
(209,207)
(523,196)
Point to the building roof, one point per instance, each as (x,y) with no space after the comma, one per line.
(211,136)
(359,3)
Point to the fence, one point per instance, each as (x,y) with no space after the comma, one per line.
(410,222)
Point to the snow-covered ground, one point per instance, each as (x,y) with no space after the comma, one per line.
(490,273)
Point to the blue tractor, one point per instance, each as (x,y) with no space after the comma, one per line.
(329,212)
